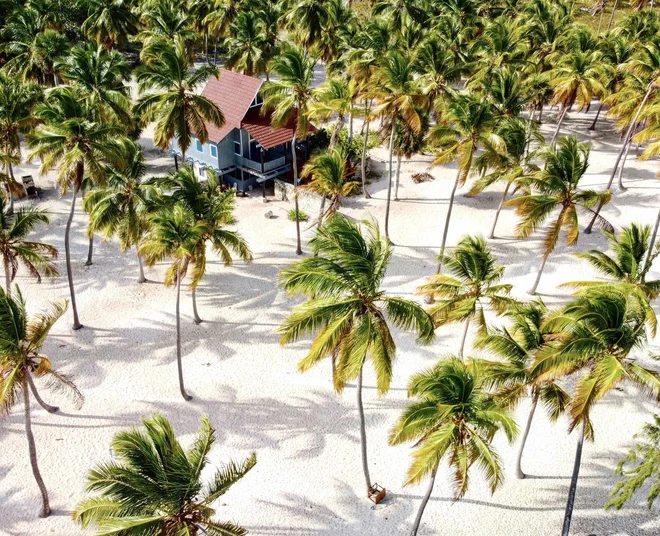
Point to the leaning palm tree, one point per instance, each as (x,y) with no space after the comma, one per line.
(21,340)
(110,23)
(557,187)
(15,250)
(347,310)
(155,488)
(468,125)
(516,346)
(475,279)
(78,146)
(328,178)
(289,98)
(334,97)
(174,234)
(596,335)
(454,417)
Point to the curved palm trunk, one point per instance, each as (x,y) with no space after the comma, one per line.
(499,209)
(321,212)
(609,24)
(425,500)
(294,161)
(538,276)
(570,503)
(334,137)
(142,278)
(364,157)
(389,186)
(626,141)
(461,350)
(446,231)
(561,120)
(623,162)
(519,471)
(179,365)
(363,433)
(90,251)
(593,125)
(40,401)
(196,317)
(45,505)
(67,250)
(398,174)
(654,236)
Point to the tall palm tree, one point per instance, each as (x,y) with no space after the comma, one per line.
(164,22)
(175,235)
(598,332)
(469,124)
(454,417)
(307,20)
(408,142)
(288,98)
(168,97)
(246,46)
(37,257)
(557,187)
(21,341)
(347,309)
(475,278)
(155,487)
(110,23)
(334,97)
(121,208)
(77,146)
(517,346)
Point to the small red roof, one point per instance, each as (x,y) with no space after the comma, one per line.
(261,130)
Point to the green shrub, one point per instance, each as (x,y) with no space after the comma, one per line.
(301,215)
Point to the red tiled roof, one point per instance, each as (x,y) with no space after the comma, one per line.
(261,130)
(232,93)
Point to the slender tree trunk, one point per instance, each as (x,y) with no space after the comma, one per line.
(519,471)
(90,251)
(425,500)
(67,250)
(294,160)
(364,159)
(602,13)
(626,141)
(142,278)
(389,184)
(609,24)
(7,276)
(40,401)
(350,125)
(623,163)
(499,209)
(196,317)
(570,503)
(541,115)
(363,432)
(179,365)
(649,253)
(334,137)
(176,162)
(461,351)
(321,211)
(538,276)
(446,231)
(561,120)
(398,175)
(45,505)
(10,194)
(593,125)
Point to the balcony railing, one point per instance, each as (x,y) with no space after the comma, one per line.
(267,166)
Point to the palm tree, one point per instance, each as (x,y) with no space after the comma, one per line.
(21,340)
(347,309)
(15,250)
(307,20)
(475,278)
(289,98)
(327,171)
(175,234)
(399,98)
(246,46)
(334,97)
(178,111)
(155,487)
(77,146)
(110,23)
(407,142)
(166,22)
(598,331)
(468,125)
(517,346)
(453,416)
(558,188)
(121,208)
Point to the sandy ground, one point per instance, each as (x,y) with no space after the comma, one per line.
(308,479)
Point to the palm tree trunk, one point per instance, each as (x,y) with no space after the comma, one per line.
(294,162)
(321,211)
(67,251)
(609,24)
(185,395)
(626,141)
(561,120)
(363,433)
(10,194)
(446,231)
(654,236)
(389,183)
(499,209)
(7,276)
(573,488)
(461,350)
(519,471)
(196,317)
(398,174)
(40,401)
(364,161)
(142,278)
(538,276)
(334,137)
(540,114)
(90,251)
(623,162)
(425,500)
(45,506)
(350,125)
(593,125)
(176,163)
(603,5)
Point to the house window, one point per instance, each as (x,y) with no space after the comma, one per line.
(256,101)
(214,151)
(237,148)
(198,144)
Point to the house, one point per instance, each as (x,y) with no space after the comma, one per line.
(246,151)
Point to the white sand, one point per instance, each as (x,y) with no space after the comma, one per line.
(308,479)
